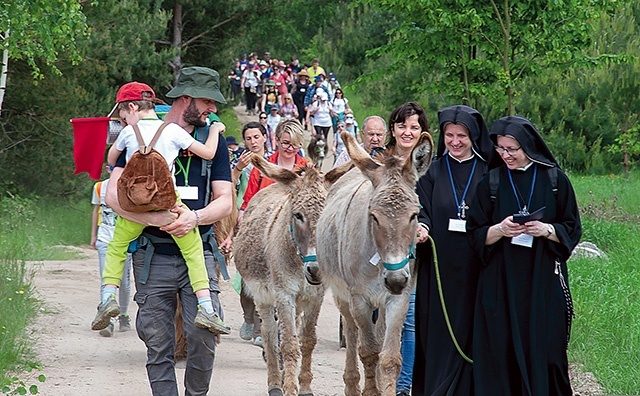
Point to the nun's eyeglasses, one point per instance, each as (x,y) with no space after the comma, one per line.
(510,150)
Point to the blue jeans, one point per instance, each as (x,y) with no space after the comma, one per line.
(408,346)
(157,302)
(125,284)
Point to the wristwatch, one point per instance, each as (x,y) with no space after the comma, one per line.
(549,230)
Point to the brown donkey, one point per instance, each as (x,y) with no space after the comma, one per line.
(275,243)
(365,254)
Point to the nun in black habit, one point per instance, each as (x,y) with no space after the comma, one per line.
(446,194)
(523,306)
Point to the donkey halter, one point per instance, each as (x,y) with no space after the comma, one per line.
(404,262)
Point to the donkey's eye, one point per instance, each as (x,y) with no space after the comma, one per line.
(413,217)
(298,216)
(373,217)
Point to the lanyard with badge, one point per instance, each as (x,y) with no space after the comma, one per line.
(523,239)
(459,224)
(187,192)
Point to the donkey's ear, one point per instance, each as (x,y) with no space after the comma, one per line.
(273,171)
(421,155)
(334,174)
(361,158)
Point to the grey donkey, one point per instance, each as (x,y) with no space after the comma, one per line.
(276,241)
(366,249)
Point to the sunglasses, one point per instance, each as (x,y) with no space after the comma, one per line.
(263,118)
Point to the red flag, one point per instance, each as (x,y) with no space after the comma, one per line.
(89,144)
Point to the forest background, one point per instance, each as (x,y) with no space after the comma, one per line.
(572,67)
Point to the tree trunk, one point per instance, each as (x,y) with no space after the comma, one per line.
(3,75)
(176,43)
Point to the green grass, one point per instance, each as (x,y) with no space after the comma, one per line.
(228,117)
(362,110)
(606,331)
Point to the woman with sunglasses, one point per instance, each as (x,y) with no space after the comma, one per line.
(522,226)
(340,105)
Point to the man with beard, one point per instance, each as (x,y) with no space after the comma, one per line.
(159,269)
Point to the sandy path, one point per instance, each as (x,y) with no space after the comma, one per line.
(78,361)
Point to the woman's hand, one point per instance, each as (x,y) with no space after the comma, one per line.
(422,234)
(244,160)
(510,229)
(539,229)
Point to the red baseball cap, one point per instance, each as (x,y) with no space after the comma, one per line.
(132,91)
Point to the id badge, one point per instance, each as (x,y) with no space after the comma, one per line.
(374,259)
(188,192)
(525,240)
(457,225)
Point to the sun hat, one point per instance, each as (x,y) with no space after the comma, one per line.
(303,73)
(323,95)
(349,119)
(198,82)
(271,82)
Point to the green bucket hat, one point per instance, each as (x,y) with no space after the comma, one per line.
(198,82)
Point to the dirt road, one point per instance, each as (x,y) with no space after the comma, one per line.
(78,361)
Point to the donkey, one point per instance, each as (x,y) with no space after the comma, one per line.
(275,242)
(366,256)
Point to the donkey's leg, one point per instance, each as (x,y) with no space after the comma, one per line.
(308,339)
(390,357)
(351,374)
(369,347)
(269,331)
(289,345)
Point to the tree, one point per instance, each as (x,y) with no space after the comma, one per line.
(485,48)
(38,30)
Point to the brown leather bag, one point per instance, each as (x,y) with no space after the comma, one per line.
(146,183)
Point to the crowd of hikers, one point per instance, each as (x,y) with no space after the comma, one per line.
(494,201)
(276,91)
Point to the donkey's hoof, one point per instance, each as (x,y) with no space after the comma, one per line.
(275,392)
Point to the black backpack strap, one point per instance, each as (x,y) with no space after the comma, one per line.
(494,182)
(202,134)
(553,177)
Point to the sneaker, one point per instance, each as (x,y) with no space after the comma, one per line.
(212,322)
(107,331)
(246,331)
(106,311)
(125,322)
(257,341)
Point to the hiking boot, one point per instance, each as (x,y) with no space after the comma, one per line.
(106,311)
(107,331)
(125,322)
(258,341)
(212,322)
(246,331)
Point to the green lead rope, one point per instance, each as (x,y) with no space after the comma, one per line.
(444,306)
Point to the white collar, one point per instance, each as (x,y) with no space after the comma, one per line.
(462,160)
(524,168)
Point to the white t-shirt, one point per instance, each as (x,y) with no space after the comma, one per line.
(273,121)
(107,215)
(340,105)
(172,139)
(322,117)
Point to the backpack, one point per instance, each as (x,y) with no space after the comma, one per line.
(146,183)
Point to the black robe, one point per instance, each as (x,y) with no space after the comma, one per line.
(521,316)
(439,369)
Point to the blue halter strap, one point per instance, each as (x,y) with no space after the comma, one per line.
(305,259)
(403,263)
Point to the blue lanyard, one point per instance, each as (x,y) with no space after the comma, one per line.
(525,209)
(461,206)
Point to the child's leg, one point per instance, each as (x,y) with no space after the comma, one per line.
(125,232)
(191,248)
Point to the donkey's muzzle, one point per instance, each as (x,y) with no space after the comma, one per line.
(312,273)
